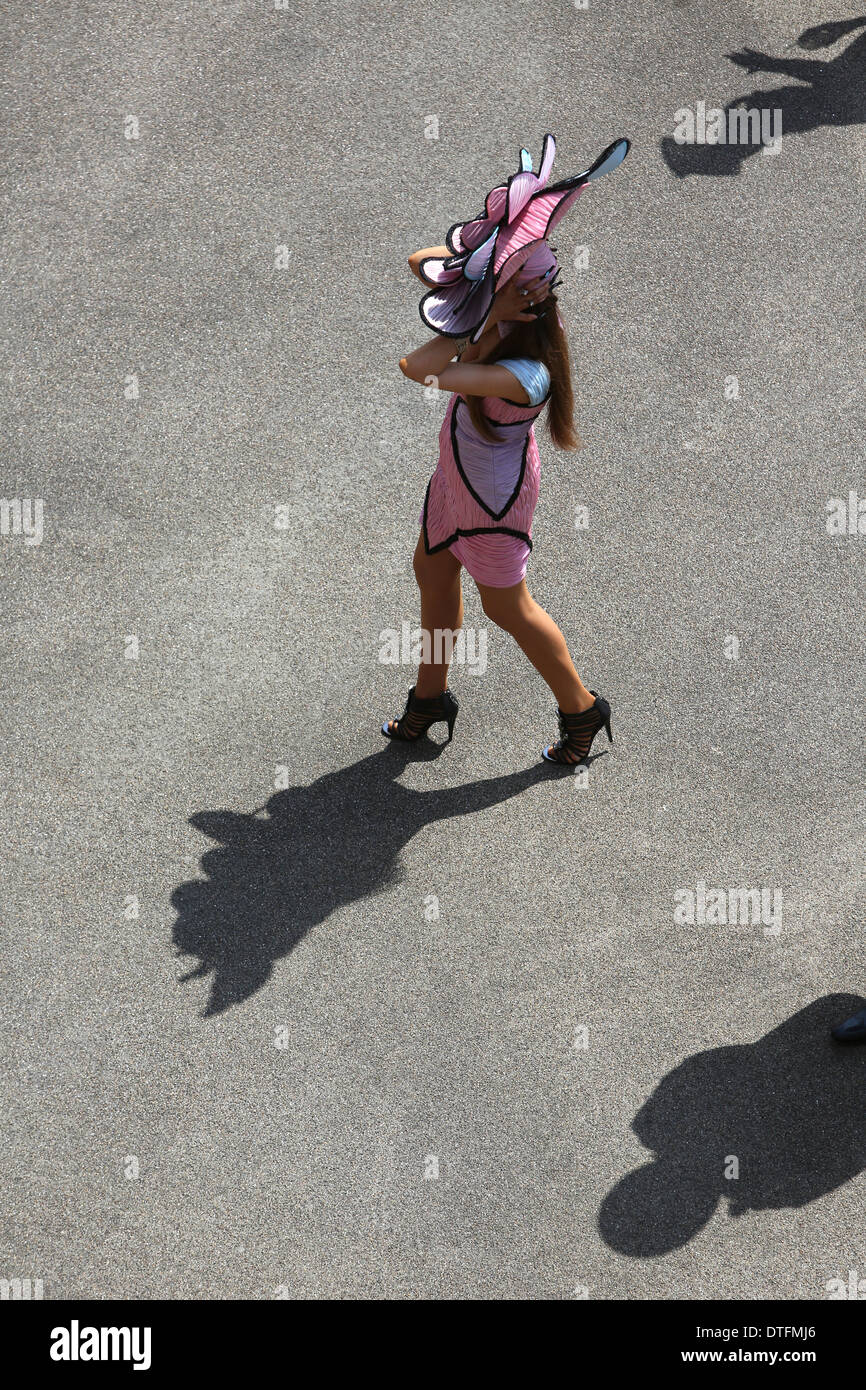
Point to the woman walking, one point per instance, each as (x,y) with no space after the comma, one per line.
(493,306)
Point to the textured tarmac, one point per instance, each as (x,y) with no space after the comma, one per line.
(289,1009)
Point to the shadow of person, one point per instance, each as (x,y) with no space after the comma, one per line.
(788,1108)
(834,94)
(321,847)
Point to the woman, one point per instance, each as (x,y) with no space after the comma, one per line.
(494,306)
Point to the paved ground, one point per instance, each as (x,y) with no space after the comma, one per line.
(259,1012)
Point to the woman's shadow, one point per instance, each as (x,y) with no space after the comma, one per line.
(321,846)
(826,92)
(775,1123)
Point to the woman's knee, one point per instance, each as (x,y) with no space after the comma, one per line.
(502,606)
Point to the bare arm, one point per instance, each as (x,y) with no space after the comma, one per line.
(432,364)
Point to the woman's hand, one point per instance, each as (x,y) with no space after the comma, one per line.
(512,302)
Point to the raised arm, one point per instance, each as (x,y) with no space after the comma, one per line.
(432,363)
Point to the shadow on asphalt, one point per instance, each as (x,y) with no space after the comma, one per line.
(322,846)
(835,95)
(790,1108)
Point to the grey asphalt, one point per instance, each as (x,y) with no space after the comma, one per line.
(291,1011)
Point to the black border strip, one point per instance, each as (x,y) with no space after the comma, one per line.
(497,516)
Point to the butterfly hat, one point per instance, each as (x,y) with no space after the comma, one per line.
(509,236)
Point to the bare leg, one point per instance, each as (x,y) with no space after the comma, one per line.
(515,610)
(438,579)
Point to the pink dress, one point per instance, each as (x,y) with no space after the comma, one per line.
(481,498)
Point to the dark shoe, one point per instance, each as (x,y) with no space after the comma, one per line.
(577,732)
(420,714)
(853,1030)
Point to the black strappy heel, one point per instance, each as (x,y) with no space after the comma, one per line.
(420,714)
(578,731)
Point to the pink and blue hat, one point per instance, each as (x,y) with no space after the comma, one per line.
(509,236)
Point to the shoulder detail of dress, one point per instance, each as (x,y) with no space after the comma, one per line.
(533,376)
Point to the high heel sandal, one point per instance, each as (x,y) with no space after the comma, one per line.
(420,714)
(578,731)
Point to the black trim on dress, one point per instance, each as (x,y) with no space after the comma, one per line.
(469,531)
(470,489)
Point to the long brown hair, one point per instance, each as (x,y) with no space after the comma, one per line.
(545,341)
